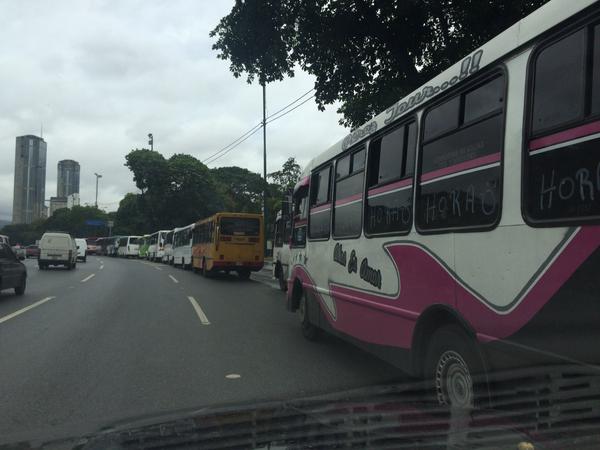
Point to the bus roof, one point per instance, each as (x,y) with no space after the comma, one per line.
(192,225)
(521,33)
(231,214)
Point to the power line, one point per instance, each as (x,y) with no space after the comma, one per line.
(230,149)
(273,117)
(251,130)
(291,103)
(290,110)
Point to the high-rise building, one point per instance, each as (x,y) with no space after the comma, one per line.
(30,179)
(56,203)
(67,178)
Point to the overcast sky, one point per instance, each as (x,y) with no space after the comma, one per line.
(100,75)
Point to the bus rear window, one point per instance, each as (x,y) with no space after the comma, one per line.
(240,226)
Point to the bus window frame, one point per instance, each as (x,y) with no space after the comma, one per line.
(461,89)
(405,121)
(567,29)
(363,145)
(329,200)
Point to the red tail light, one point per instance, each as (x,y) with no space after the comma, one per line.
(226,238)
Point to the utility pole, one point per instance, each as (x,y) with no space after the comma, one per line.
(97,176)
(151,141)
(264,122)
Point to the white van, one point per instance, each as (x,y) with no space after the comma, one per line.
(81,249)
(57,249)
(129,246)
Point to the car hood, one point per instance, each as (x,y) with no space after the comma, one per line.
(550,407)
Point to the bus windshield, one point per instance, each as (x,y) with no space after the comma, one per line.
(240,226)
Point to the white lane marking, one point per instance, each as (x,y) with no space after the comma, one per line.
(157,268)
(88,277)
(27,308)
(102,267)
(173,278)
(233,376)
(199,311)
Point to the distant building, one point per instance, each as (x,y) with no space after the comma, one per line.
(67,178)
(30,179)
(72,200)
(57,203)
(45,212)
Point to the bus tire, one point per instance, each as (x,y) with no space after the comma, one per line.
(282,280)
(309,331)
(244,274)
(20,289)
(451,363)
(205,272)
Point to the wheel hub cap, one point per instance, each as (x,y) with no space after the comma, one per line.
(453,381)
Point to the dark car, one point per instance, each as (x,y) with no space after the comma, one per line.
(32,251)
(13,274)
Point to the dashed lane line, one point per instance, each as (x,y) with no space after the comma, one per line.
(89,277)
(27,308)
(201,315)
(173,278)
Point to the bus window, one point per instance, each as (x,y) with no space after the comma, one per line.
(347,217)
(562,170)
(300,218)
(320,204)
(391,167)
(460,179)
(559,83)
(238,226)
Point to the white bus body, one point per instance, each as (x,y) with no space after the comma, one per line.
(129,246)
(463,219)
(4,239)
(156,250)
(182,246)
(168,254)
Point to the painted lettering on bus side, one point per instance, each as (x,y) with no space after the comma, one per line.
(359,134)
(369,274)
(353,263)
(339,255)
(469,66)
(582,186)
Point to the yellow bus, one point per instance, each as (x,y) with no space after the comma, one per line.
(228,242)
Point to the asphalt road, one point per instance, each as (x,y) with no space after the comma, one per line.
(117,339)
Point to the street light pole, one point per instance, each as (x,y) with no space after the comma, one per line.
(264,123)
(97,176)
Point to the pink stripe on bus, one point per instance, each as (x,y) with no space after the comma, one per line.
(564,136)
(471,164)
(347,200)
(391,187)
(320,208)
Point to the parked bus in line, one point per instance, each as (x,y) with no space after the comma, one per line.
(168,254)
(281,249)
(128,246)
(143,246)
(4,239)
(457,232)
(182,246)
(229,242)
(156,249)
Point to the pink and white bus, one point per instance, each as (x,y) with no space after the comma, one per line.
(458,231)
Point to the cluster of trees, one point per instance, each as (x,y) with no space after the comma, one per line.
(366,54)
(181,189)
(73,221)
(173,192)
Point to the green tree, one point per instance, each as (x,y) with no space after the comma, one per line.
(289,174)
(241,189)
(131,217)
(367,54)
(192,193)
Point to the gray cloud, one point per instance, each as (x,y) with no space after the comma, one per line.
(100,75)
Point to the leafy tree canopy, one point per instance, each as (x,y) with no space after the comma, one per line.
(365,53)
(289,174)
(241,189)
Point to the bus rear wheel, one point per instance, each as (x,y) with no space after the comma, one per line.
(205,272)
(452,363)
(244,274)
(309,331)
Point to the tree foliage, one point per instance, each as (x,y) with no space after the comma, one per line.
(365,53)
(288,176)
(241,189)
